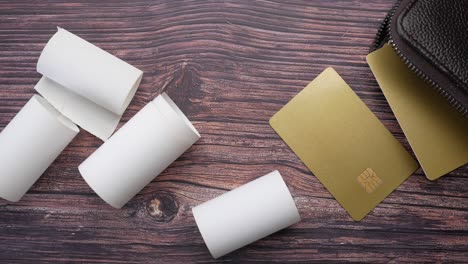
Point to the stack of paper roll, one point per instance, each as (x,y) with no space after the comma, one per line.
(83,85)
(86,86)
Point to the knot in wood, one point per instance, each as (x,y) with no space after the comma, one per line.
(163,207)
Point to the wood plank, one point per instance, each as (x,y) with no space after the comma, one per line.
(230,65)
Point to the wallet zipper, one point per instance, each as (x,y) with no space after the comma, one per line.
(383,36)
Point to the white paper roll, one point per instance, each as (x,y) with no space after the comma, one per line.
(83,76)
(29,144)
(146,145)
(90,116)
(246,214)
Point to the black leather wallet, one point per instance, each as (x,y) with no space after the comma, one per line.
(431,38)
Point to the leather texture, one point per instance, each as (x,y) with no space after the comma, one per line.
(435,33)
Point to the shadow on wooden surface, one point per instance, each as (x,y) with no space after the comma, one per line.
(230,65)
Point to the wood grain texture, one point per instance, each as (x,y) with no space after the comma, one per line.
(230,65)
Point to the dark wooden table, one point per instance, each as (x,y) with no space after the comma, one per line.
(230,65)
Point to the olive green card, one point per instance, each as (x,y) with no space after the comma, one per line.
(344,144)
(437,133)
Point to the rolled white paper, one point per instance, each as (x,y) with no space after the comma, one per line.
(78,75)
(29,144)
(139,151)
(92,117)
(246,214)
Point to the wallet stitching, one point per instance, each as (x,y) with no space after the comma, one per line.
(429,54)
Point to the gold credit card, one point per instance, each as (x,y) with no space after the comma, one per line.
(437,133)
(344,144)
